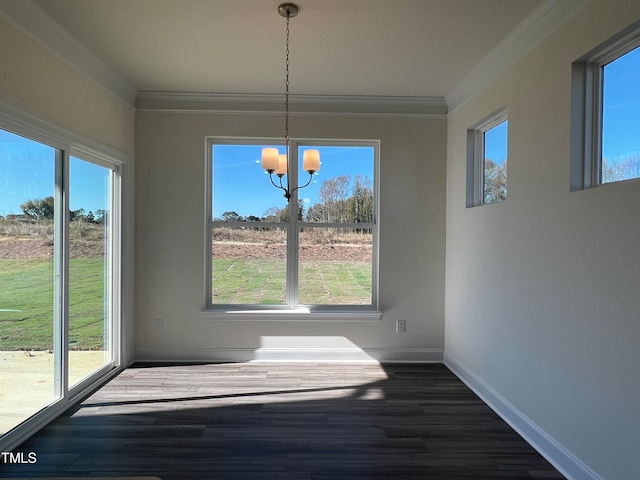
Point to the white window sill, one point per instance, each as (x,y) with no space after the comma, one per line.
(293,314)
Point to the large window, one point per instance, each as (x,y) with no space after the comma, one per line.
(317,251)
(605,143)
(58,273)
(487,160)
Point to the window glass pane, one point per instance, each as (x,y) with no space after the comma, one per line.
(89,268)
(342,191)
(241,189)
(621,119)
(335,266)
(249,265)
(495,163)
(27,190)
(252,224)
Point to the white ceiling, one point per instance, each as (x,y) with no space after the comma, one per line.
(338,47)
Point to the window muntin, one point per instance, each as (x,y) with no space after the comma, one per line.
(329,226)
(621,118)
(487,143)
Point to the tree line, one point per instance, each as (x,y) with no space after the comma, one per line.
(44,209)
(622,169)
(495,181)
(495,174)
(343,199)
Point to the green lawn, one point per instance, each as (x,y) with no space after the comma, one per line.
(26,304)
(26,294)
(250,281)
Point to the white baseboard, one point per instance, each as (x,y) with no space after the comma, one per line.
(563,460)
(318,355)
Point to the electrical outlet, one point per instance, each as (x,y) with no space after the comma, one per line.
(159,324)
(401,326)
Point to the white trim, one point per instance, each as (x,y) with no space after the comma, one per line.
(283,314)
(36,128)
(272,104)
(541,23)
(563,460)
(293,355)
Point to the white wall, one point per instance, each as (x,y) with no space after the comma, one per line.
(170,222)
(542,291)
(36,83)
(40,83)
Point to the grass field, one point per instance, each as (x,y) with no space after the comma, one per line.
(262,282)
(26,297)
(335,268)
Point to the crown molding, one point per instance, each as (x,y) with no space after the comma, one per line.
(544,20)
(32,21)
(541,23)
(348,105)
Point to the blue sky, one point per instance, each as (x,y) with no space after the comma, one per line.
(240,184)
(27,173)
(621,115)
(496,142)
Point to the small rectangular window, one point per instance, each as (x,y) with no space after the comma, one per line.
(487,160)
(605,118)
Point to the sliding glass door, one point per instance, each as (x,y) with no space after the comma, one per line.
(58,273)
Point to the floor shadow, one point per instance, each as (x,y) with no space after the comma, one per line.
(282,421)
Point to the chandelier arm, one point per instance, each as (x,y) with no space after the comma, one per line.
(276,185)
(303,186)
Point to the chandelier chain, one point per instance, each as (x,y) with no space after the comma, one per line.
(286,94)
(271,159)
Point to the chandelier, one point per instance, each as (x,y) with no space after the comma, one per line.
(272,161)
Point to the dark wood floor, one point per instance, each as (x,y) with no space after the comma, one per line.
(277,421)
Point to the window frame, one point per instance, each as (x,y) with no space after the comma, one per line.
(291,310)
(587,108)
(476,156)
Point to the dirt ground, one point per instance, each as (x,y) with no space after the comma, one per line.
(338,252)
(15,247)
(33,248)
